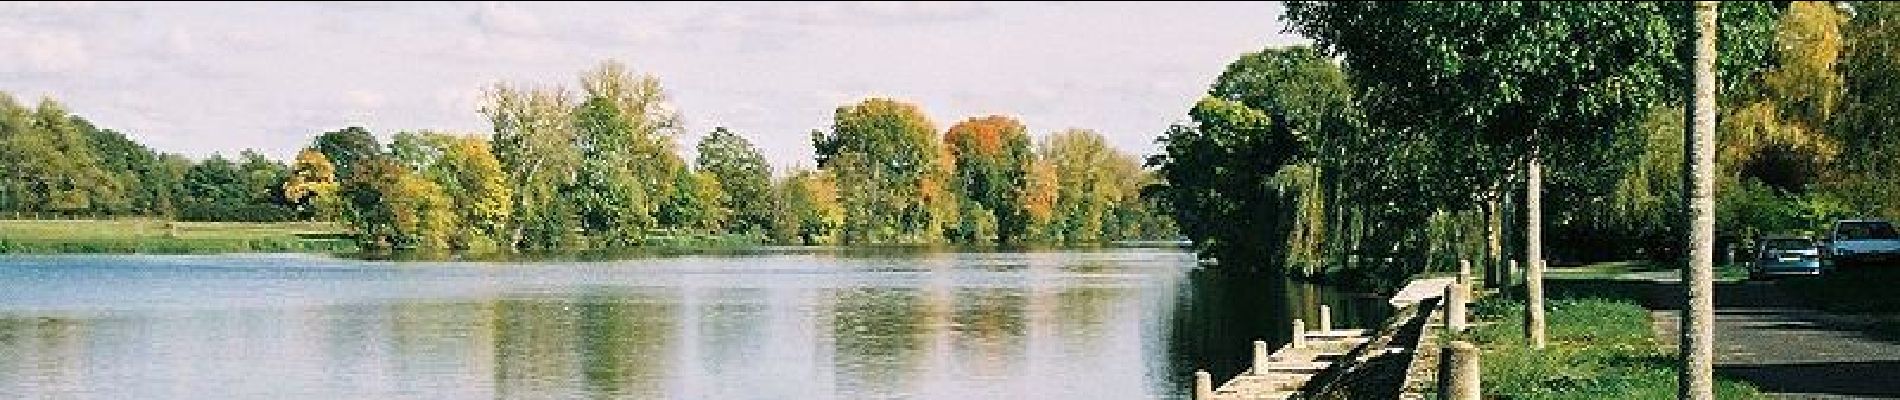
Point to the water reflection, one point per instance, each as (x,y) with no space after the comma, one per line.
(1101,324)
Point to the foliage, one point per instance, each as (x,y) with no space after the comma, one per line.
(628,168)
(1097,191)
(1865,177)
(312,186)
(51,164)
(533,140)
(744,179)
(890,173)
(397,208)
(1456,97)
(807,210)
(347,147)
(992,157)
(1227,175)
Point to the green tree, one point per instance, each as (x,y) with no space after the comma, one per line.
(347,147)
(745,180)
(481,198)
(312,186)
(992,156)
(1091,180)
(53,163)
(214,190)
(1504,82)
(884,158)
(624,131)
(1219,174)
(806,209)
(534,140)
(1254,156)
(1866,178)
(263,186)
(396,208)
(693,203)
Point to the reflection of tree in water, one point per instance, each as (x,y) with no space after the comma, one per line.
(732,326)
(626,341)
(42,355)
(608,346)
(989,324)
(534,348)
(1081,315)
(429,337)
(879,336)
(1217,316)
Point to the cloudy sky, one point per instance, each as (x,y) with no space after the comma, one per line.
(201,78)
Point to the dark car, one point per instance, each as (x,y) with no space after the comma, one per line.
(1785,255)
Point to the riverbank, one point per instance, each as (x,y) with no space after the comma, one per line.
(168,237)
(1599,347)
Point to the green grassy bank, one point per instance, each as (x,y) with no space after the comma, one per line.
(164,237)
(1598,349)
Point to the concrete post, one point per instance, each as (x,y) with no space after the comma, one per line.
(1464,272)
(1260,359)
(1299,334)
(1203,385)
(1458,372)
(1325,318)
(1455,299)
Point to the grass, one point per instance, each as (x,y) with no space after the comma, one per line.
(1643,270)
(1598,348)
(155,236)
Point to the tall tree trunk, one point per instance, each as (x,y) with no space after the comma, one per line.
(1698,315)
(1494,275)
(1534,249)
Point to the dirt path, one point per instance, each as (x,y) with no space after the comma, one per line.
(1769,340)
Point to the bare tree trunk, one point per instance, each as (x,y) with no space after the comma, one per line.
(1534,250)
(1494,275)
(1698,315)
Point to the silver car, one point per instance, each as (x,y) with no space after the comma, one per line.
(1785,255)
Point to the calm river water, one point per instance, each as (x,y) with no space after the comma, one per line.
(770,324)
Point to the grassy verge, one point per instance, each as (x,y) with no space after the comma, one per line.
(163,237)
(1598,349)
(1640,270)
(1864,293)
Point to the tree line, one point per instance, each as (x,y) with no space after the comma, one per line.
(597,167)
(1412,135)
(1366,162)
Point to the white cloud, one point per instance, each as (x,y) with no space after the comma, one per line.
(53,52)
(498,17)
(180,41)
(220,78)
(882,12)
(364,99)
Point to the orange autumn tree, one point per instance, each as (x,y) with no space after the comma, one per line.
(992,159)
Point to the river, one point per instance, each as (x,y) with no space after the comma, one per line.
(783,323)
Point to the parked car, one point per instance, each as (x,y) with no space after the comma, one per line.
(1861,242)
(1780,255)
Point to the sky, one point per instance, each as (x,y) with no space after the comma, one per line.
(203,78)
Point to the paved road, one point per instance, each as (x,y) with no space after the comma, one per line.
(1766,338)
